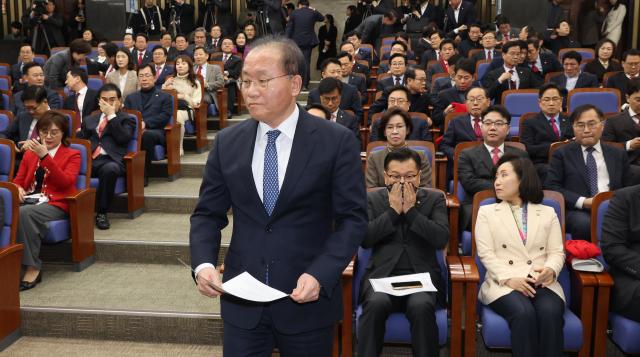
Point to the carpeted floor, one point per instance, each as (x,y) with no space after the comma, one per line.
(154,227)
(53,347)
(185,186)
(151,287)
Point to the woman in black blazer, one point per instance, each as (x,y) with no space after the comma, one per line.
(327,35)
(604,61)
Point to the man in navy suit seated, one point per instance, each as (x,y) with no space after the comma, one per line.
(549,126)
(82,99)
(463,78)
(23,125)
(330,90)
(539,62)
(141,54)
(465,127)
(295,185)
(159,56)
(26,56)
(631,66)
(156,108)
(585,167)
(109,132)
(350,98)
(33,75)
(573,77)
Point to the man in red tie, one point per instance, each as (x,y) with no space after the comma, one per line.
(140,53)
(475,164)
(109,132)
(545,128)
(160,63)
(505,33)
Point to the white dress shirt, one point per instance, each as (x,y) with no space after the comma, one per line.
(80,100)
(603,174)
(572,81)
(632,114)
(284,143)
(514,75)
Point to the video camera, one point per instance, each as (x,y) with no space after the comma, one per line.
(255,4)
(39,8)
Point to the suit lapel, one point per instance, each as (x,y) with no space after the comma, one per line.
(303,145)
(245,155)
(533,223)
(485,157)
(578,159)
(612,167)
(466,126)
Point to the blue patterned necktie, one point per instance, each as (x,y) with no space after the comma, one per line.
(270,187)
(592,171)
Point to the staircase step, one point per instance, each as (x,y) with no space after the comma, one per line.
(121,301)
(193,164)
(47,346)
(179,196)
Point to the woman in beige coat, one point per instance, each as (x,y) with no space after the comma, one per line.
(124,76)
(520,243)
(184,81)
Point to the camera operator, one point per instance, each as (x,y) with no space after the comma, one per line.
(78,21)
(148,20)
(268,16)
(179,14)
(216,12)
(46,26)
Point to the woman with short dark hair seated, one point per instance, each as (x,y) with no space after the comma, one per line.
(47,174)
(519,242)
(395,126)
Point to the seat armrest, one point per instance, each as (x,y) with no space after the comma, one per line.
(603,294)
(456,298)
(472,278)
(134,164)
(81,223)
(453,205)
(583,299)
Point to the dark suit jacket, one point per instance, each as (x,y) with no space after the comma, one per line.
(431,15)
(53,98)
(620,81)
(388,82)
(527,81)
(431,71)
(467,45)
(482,55)
(115,137)
(350,122)
(184,14)
(361,85)
(445,98)
(459,130)
(420,131)
(316,226)
(466,16)
(146,58)
(621,245)
(94,68)
(166,71)
(18,130)
(567,173)
(156,112)
(274,13)
(90,102)
(537,135)
(595,67)
(16,74)
(349,99)
(549,62)
(301,27)
(621,128)
(418,235)
(360,68)
(585,80)
(233,65)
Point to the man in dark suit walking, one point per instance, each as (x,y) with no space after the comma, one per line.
(510,75)
(82,99)
(549,126)
(330,90)
(573,77)
(475,165)
(631,67)
(109,132)
(296,188)
(350,99)
(621,250)
(625,127)
(582,169)
(301,29)
(156,108)
(458,16)
(395,218)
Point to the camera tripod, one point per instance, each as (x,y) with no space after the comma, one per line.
(36,41)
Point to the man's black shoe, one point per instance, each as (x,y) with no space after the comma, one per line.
(102,222)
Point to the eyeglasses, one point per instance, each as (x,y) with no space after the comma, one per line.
(52,132)
(394,101)
(476,100)
(497,124)
(408,177)
(330,99)
(261,83)
(550,99)
(591,125)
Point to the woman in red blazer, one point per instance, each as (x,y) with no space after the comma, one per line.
(47,174)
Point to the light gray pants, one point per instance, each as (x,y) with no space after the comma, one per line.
(32,228)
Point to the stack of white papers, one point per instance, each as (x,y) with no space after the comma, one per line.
(384,285)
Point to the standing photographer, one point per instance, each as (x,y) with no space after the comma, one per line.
(148,20)
(217,12)
(269,18)
(179,17)
(46,26)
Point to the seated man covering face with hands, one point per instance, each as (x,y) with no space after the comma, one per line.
(406,227)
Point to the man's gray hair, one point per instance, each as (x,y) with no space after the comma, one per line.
(292,59)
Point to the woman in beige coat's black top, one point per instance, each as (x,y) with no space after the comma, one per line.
(184,81)
(395,126)
(125,76)
(520,243)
